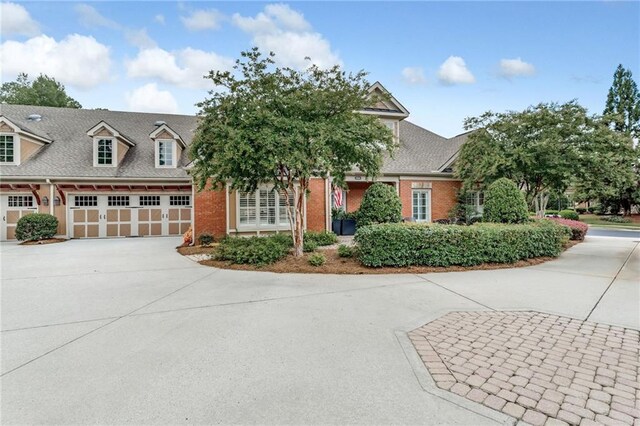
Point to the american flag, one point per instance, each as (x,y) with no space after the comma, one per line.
(337,197)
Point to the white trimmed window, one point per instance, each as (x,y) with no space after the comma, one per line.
(264,208)
(391,124)
(475,200)
(9,149)
(166,153)
(421,205)
(104,152)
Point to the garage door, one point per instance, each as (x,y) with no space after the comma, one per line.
(12,208)
(129,215)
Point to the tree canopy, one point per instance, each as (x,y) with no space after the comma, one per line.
(280,127)
(43,91)
(622,110)
(538,148)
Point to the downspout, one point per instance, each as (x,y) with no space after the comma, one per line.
(193,214)
(327,204)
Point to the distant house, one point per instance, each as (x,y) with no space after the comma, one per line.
(117,174)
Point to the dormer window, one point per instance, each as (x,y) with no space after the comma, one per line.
(105,152)
(166,153)
(7,149)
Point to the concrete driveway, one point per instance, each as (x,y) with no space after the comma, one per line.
(128,331)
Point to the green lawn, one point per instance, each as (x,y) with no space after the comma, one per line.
(594,220)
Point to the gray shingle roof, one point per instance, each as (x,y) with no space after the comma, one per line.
(421,151)
(71,152)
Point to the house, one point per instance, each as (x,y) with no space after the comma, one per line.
(120,174)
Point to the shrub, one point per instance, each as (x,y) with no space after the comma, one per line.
(324,238)
(345,250)
(309,246)
(504,203)
(253,250)
(380,204)
(578,229)
(317,259)
(593,209)
(283,238)
(617,219)
(569,214)
(205,239)
(36,227)
(581,210)
(447,245)
(551,213)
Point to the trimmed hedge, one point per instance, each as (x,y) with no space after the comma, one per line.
(448,245)
(616,219)
(380,204)
(578,229)
(36,227)
(569,214)
(253,250)
(504,203)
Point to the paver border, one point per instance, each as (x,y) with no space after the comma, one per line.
(424,378)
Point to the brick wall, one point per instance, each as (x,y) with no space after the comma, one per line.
(355,194)
(316,205)
(209,213)
(443,197)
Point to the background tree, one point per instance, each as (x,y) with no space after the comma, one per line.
(622,110)
(43,91)
(538,149)
(281,127)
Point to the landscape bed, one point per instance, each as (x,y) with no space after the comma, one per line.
(535,253)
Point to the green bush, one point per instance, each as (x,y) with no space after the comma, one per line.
(380,204)
(551,212)
(309,246)
(504,203)
(581,210)
(205,239)
(617,219)
(317,259)
(345,250)
(283,238)
(36,227)
(447,245)
(324,238)
(253,250)
(569,214)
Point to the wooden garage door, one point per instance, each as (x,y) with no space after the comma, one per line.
(12,208)
(86,217)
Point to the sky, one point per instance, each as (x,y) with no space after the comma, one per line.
(443,61)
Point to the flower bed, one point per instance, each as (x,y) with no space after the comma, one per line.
(578,229)
(402,245)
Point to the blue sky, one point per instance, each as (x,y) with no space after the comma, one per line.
(443,60)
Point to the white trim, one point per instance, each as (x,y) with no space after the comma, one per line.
(227,203)
(165,127)
(257,227)
(379,86)
(16,149)
(434,178)
(426,191)
(174,154)
(114,148)
(91,132)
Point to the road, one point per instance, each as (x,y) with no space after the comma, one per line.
(612,232)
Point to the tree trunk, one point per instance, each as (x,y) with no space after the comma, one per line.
(298,225)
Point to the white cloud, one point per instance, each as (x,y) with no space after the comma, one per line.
(184,68)
(15,19)
(76,60)
(454,71)
(515,68)
(139,38)
(202,20)
(413,75)
(287,33)
(90,17)
(159,18)
(149,98)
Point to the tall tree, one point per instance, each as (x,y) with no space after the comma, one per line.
(538,148)
(280,127)
(622,110)
(43,91)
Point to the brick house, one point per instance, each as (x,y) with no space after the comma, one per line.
(118,174)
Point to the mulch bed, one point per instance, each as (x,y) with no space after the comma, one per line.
(48,241)
(342,265)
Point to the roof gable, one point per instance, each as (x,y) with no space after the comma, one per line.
(388,105)
(4,121)
(164,129)
(102,125)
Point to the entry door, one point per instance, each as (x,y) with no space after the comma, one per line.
(12,208)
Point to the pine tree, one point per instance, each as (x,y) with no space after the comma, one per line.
(622,110)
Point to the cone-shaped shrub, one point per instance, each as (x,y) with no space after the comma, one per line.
(504,203)
(380,204)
